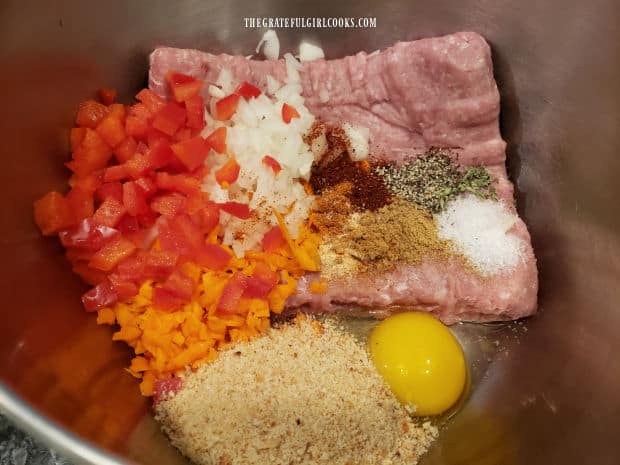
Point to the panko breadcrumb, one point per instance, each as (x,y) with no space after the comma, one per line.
(305,393)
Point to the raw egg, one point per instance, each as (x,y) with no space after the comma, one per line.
(421,361)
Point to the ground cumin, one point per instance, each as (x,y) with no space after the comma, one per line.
(376,241)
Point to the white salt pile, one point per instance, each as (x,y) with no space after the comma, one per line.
(480,230)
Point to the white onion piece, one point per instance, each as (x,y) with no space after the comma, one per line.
(271,48)
(358,138)
(309,52)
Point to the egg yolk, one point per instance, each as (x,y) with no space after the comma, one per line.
(421,361)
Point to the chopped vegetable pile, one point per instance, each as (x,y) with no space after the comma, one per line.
(138,227)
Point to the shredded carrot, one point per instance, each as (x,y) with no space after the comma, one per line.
(301,253)
(308,188)
(318,287)
(166,343)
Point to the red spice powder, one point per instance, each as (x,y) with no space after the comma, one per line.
(368,191)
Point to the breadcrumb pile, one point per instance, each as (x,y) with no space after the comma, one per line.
(305,393)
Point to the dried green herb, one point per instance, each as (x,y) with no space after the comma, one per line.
(435,178)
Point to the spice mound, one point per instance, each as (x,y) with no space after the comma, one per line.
(366,189)
(433,179)
(377,241)
(306,393)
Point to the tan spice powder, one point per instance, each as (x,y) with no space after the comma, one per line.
(332,208)
(397,233)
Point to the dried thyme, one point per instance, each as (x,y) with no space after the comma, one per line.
(434,178)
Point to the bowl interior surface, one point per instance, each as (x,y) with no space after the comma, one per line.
(548,390)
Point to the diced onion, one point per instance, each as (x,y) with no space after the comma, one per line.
(271,48)
(358,138)
(310,52)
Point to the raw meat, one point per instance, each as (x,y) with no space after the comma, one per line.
(414,95)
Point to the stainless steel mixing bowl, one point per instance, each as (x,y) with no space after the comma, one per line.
(548,392)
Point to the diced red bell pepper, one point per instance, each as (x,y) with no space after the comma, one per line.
(109,189)
(212,256)
(208,216)
(128,225)
(90,113)
(240,210)
(272,163)
(256,289)
(178,183)
(165,300)
(192,152)
(262,281)
(183,86)
(111,130)
(124,289)
(154,264)
(88,274)
(288,113)
(109,212)
(175,291)
(133,268)
(87,234)
(162,388)
(81,203)
(92,154)
(115,173)
(118,110)
(195,107)
(247,90)
(195,202)
(159,154)
(140,111)
(158,264)
(154,135)
(100,296)
(180,285)
(126,149)
(180,236)
(138,165)
(138,237)
(151,100)
(169,205)
(169,118)
(52,213)
(142,148)
(217,140)
(148,219)
(92,141)
(232,293)
(226,107)
(228,173)
(136,127)
(273,240)
(134,168)
(76,137)
(112,254)
(134,199)
(90,183)
(147,185)
(182,135)
(107,95)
